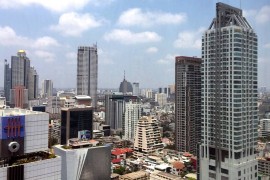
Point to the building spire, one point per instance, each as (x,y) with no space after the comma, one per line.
(124,74)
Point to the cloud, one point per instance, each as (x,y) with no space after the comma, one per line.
(71,58)
(45,41)
(189,39)
(261,16)
(45,55)
(53,5)
(73,24)
(168,59)
(10,38)
(127,37)
(136,17)
(104,57)
(152,50)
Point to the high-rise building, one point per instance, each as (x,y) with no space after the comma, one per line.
(47,88)
(229,97)
(24,146)
(21,81)
(74,120)
(161,99)
(187,103)
(114,107)
(7,81)
(147,137)
(132,114)
(136,89)
(87,72)
(33,84)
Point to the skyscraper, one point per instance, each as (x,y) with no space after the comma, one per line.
(187,103)
(125,86)
(33,83)
(136,89)
(229,97)
(7,81)
(87,72)
(47,88)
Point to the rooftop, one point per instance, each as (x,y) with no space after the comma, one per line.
(17,112)
(135,175)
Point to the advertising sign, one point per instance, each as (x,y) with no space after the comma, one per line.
(12,127)
(84,134)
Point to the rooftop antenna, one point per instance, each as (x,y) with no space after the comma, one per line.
(124,74)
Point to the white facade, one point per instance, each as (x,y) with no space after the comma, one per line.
(2,102)
(36,128)
(149,93)
(53,105)
(132,114)
(229,98)
(87,72)
(161,98)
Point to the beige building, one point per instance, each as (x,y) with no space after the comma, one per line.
(147,137)
(139,175)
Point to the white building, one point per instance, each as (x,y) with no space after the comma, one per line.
(2,102)
(265,127)
(85,162)
(149,93)
(53,105)
(87,72)
(47,88)
(136,89)
(24,134)
(161,98)
(229,97)
(132,113)
(147,137)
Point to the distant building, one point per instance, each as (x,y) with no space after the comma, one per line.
(161,99)
(74,120)
(87,72)
(53,105)
(7,81)
(47,88)
(132,113)
(114,109)
(33,79)
(149,93)
(136,89)
(125,87)
(187,103)
(85,162)
(24,145)
(147,137)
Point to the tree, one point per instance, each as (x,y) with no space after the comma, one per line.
(120,170)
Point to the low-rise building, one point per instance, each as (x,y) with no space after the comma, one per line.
(139,175)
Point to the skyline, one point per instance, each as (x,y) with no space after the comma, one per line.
(141,38)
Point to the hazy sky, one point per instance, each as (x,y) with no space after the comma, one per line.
(141,37)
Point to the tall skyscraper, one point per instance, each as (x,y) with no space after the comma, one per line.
(87,72)
(229,97)
(132,114)
(125,86)
(7,81)
(33,84)
(47,88)
(187,103)
(22,81)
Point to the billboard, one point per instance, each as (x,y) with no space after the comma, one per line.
(84,134)
(12,127)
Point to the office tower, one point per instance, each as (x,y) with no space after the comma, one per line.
(160,90)
(20,66)
(81,161)
(24,146)
(87,72)
(47,88)
(136,89)
(32,84)
(7,81)
(161,98)
(132,113)
(74,120)
(187,103)
(147,137)
(125,86)
(114,109)
(149,93)
(229,97)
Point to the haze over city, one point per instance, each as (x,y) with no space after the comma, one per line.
(141,37)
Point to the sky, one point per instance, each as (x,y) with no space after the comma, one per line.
(140,37)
